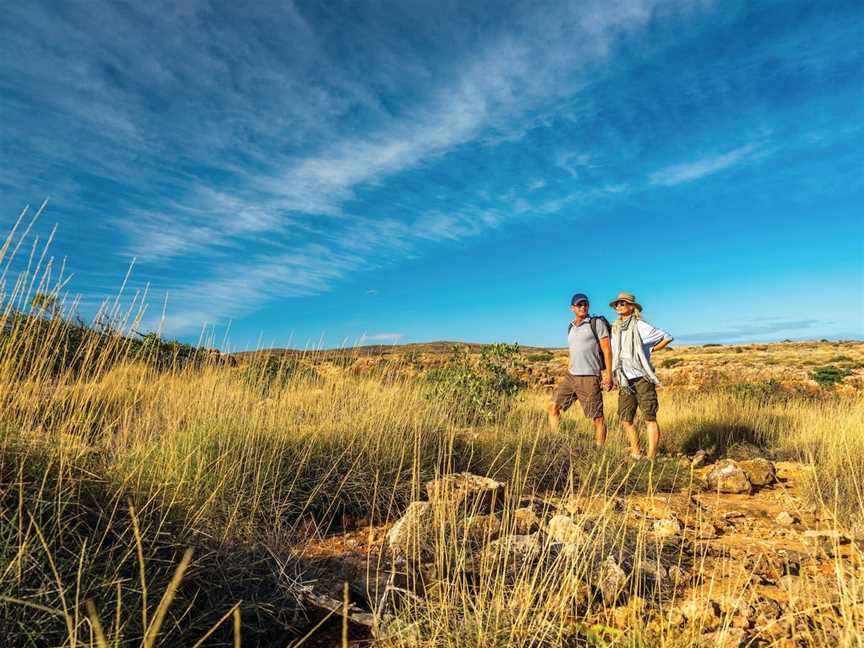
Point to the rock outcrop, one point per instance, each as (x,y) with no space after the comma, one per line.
(471,493)
(728,477)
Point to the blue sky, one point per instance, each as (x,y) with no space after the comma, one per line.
(347,172)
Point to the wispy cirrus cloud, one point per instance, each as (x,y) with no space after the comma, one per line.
(391,338)
(706,166)
(750,330)
(243,147)
(259,183)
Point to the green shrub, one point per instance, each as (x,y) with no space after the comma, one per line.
(539,357)
(712,344)
(274,371)
(668,363)
(764,392)
(343,361)
(829,375)
(477,389)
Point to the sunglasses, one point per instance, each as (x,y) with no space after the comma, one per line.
(582,304)
(621,303)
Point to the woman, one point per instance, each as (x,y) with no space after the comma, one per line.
(633,340)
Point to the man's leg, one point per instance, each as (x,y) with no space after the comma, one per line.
(590,396)
(561,401)
(554,412)
(600,430)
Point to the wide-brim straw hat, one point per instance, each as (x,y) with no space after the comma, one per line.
(630,298)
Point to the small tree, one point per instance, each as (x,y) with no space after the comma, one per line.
(477,389)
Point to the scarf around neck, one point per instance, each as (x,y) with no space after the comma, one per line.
(630,354)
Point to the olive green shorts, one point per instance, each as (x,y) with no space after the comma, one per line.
(643,394)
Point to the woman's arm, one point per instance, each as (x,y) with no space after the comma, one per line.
(653,337)
(662,344)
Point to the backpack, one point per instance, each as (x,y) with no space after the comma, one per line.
(592,322)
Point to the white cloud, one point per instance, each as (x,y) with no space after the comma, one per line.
(392,338)
(250,165)
(573,163)
(680,173)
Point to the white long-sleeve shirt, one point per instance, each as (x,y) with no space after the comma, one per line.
(650,337)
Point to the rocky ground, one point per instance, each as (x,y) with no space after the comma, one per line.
(737,559)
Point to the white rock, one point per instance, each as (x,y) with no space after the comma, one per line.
(667,528)
(412,535)
(728,477)
(784,518)
(562,528)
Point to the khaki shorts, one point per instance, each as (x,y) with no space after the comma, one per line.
(643,394)
(585,389)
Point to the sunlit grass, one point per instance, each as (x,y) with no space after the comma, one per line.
(111,469)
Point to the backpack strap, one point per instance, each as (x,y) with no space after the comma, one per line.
(592,322)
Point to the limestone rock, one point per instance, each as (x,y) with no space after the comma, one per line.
(515,550)
(760,472)
(412,535)
(650,574)
(728,477)
(736,609)
(577,592)
(678,575)
(479,529)
(611,580)
(667,527)
(594,505)
(700,612)
(626,616)
(705,530)
(525,520)
(699,459)
(472,493)
(784,518)
(819,536)
(725,638)
(562,528)
(765,612)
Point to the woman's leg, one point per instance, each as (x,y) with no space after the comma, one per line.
(627,414)
(653,438)
(648,405)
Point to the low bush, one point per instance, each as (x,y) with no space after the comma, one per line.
(765,392)
(477,389)
(829,375)
(539,357)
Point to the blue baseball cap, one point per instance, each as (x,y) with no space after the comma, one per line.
(578,297)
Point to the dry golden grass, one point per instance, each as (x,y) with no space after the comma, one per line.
(110,471)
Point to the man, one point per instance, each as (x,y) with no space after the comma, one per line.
(587,339)
(633,340)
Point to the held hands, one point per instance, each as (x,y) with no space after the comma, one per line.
(606,382)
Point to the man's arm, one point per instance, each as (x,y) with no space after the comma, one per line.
(606,349)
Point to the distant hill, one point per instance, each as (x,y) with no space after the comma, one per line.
(434,348)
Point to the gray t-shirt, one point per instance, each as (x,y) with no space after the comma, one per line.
(584,350)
